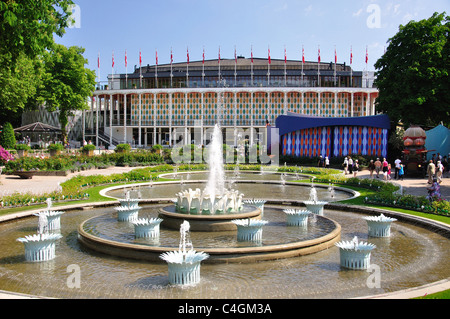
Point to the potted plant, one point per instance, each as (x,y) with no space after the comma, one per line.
(88,149)
(55,149)
(22,150)
(122,148)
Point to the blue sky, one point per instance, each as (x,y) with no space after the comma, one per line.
(148,25)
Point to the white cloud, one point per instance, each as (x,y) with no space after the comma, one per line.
(308,9)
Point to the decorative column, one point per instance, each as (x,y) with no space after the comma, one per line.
(97,116)
(139,119)
(335,104)
(125,118)
(110,118)
(351,105)
(154,115)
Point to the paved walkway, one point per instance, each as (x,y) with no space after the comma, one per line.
(47,184)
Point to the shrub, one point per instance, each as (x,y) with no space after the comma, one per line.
(123,148)
(23,147)
(7,138)
(55,147)
(88,147)
(5,156)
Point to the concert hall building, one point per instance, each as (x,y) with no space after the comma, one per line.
(166,104)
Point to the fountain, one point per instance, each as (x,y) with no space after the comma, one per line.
(41,246)
(214,199)
(249,229)
(184,265)
(52,220)
(379,226)
(147,227)
(297,217)
(128,210)
(355,254)
(313,204)
(256,202)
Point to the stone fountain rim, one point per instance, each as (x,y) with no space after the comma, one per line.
(236,254)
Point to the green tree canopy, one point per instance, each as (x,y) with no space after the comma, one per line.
(413,74)
(66,83)
(28,26)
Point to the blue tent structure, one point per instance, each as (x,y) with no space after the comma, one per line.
(438,140)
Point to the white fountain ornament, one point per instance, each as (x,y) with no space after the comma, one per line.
(313,204)
(147,228)
(249,229)
(355,254)
(258,203)
(379,226)
(40,247)
(184,264)
(297,217)
(52,220)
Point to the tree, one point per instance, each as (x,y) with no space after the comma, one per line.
(7,137)
(66,83)
(413,75)
(18,87)
(27,26)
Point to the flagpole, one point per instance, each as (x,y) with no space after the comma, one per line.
(112,71)
(98,69)
(303,62)
(156,69)
(351,68)
(219,67)
(268,68)
(318,68)
(235,66)
(251,67)
(285,61)
(203,68)
(171,73)
(187,67)
(140,69)
(367,67)
(126,70)
(335,63)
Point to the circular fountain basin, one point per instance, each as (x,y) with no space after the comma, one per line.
(278,242)
(206,223)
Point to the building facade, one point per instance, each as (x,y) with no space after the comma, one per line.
(169,104)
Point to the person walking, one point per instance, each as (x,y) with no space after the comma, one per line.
(350,165)
(397,163)
(401,172)
(431,170)
(371,168)
(355,168)
(378,167)
(385,167)
(439,171)
(345,164)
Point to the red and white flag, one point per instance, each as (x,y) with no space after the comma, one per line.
(251,49)
(203,56)
(367,55)
(270,62)
(235,55)
(351,55)
(318,58)
(187,53)
(219,55)
(126,59)
(156,53)
(335,56)
(98,61)
(285,56)
(303,55)
(140,58)
(171,56)
(113,59)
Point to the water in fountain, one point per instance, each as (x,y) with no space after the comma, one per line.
(216,180)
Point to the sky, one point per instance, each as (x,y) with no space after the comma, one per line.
(149,26)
